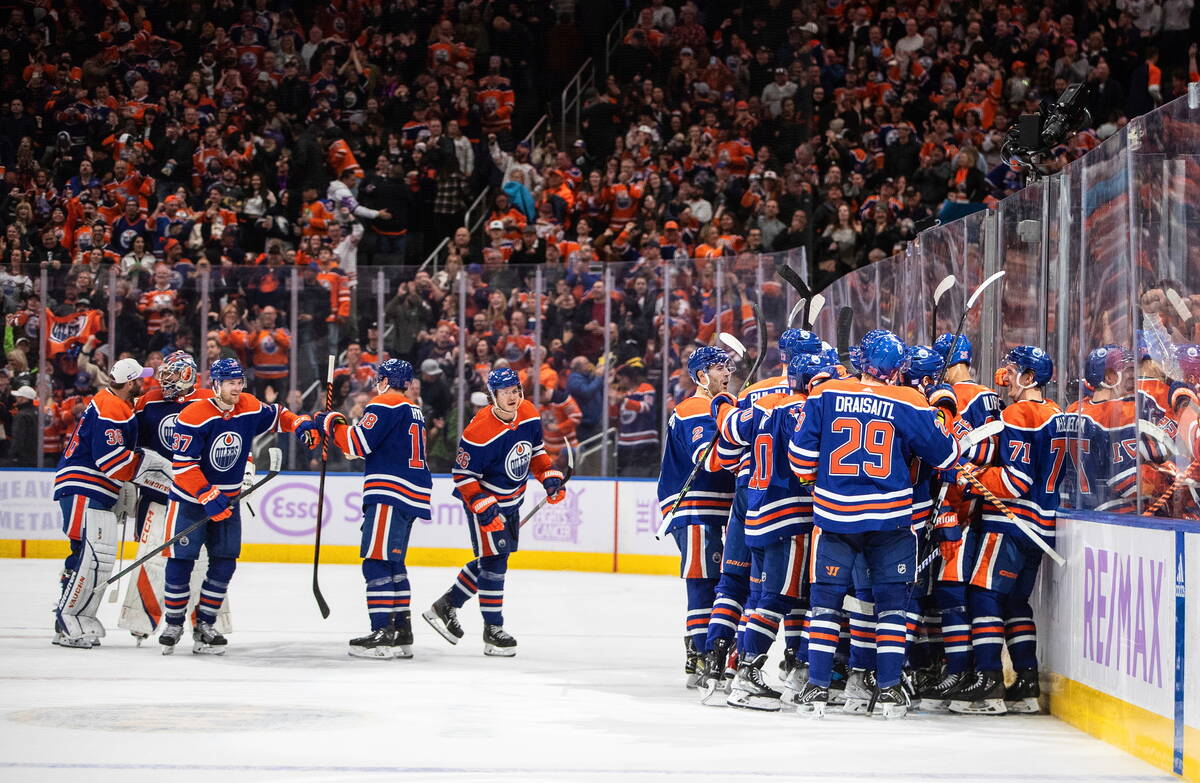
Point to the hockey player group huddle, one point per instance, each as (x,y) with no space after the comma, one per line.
(853,509)
(178,456)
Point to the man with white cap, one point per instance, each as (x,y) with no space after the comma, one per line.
(23,431)
(101,454)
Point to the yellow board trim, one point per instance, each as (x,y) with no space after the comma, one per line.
(1140,732)
(601,562)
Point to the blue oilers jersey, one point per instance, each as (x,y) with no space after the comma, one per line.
(689,431)
(1034,448)
(750,395)
(636,423)
(211,445)
(855,442)
(99,455)
(390,436)
(977,405)
(496,457)
(1103,469)
(156,417)
(777,506)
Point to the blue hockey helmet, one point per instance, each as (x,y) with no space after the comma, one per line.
(856,351)
(177,374)
(1103,359)
(884,356)
(1033,359)
(501,378)
(397,372)
(704,357)
(225,370)
(1189,360)
(829,354)
(797,341)
(962,353)
(802,368)
(923,362)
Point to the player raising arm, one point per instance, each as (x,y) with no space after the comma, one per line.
(212,441)
(854,444)
(390,436)
(497,452)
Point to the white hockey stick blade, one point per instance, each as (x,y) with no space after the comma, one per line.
(814,308)
(733,343)
(1181,307)
(947,283)
(980,434)
(983,287)
(796,308)
(275,459)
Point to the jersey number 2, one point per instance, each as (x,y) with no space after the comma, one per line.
(876,438)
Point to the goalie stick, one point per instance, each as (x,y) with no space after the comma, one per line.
(740,350)
(276,460)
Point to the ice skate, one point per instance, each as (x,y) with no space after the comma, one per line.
(83,642)
(403,639)
(206,640)
(377,644)
(169,638)
(715,684)
(891,702)
(786,665)
(443,618)
(794,684)
(837,685)
(984,696)
(139,637)
(693,665)
(750,690)
(812,700)
(859,686)
(936,695)
(1022,696)
(497,642)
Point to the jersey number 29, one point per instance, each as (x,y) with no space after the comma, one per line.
(875,437)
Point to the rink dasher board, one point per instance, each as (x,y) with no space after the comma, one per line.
(1119,634)
(602,525)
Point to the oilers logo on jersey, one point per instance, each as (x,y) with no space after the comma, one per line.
(516,463)
(225,450)
(166,428)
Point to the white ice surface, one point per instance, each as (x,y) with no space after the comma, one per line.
(595,693)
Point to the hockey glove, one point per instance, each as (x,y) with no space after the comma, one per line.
(724,398)
(487,511)
(945,526)
(216,505)
(326,420)
(943,396)
(307,432)
(552,482)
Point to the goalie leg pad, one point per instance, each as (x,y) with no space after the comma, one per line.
(76,612)
(143,607)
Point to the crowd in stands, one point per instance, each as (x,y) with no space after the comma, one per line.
(263,158)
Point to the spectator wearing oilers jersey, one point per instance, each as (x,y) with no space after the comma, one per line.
(162,298)
(697,519)
(497,452)
(390,437)
(1033,452)
(210,444)
(637,420)
(268,346)
(853,447)
(100,457)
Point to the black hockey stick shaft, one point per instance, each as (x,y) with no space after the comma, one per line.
(322,604)
(570,471)
(175,539)
(712,444)
(845,322)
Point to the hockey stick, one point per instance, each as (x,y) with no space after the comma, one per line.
(1181,308)
(687,485)
(962,321)
(322,605)
(796,308)
(112,597)
(276,466)
(814,309)
(790,277)
(1003,509)
(566,477)
(947,283)
(845,321)
(1180,480)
